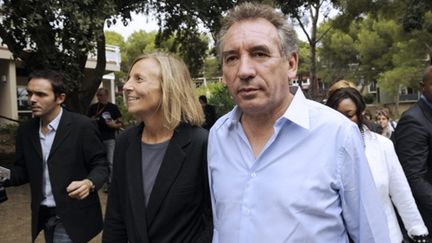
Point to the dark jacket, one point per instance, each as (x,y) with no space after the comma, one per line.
(413,143)
(179,207)
(76,153)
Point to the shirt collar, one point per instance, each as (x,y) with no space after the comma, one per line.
(428,103)
(297,112)
(55,122)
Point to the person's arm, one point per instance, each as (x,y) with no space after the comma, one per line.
(114,230)
(18,172)
(116,122)
(400,193)
(210,152)
(207,209)
(361,206)
(412,147)
(95,160)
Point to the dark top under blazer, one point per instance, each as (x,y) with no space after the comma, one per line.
(76,153)
(413,143)
(179,207)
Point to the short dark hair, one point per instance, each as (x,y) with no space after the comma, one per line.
(203,98)
(55,78)
(353,94)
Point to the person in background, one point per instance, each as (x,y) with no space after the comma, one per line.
(387,172)
(62,156)
(387,125)
(108,119)
(209,112)
(159,190)
(375,127)
(283,168)
(371,122)
(413,143)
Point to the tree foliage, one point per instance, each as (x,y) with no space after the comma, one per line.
(306,14)
(60,35)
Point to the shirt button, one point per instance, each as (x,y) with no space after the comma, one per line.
(253,174)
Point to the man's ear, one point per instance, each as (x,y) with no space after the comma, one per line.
(293,64)
(60,98)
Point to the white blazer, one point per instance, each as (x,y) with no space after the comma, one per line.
(392,186)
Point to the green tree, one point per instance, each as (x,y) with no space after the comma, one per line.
(306,14)
(338,57)
(60,35)
(212,67)
(114,38)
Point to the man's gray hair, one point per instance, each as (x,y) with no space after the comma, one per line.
(251,11)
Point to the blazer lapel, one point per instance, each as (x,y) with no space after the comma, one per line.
(35,139)
(135,182)
(171,165)
(62,132)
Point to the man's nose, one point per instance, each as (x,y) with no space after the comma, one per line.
(32,98)
(246,69)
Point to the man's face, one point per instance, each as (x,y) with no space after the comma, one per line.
(41,97)
(102,97)
(427,86)
(254,71)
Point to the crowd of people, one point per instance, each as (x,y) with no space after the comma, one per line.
(277,168)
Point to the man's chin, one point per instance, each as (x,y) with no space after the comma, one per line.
(36,113)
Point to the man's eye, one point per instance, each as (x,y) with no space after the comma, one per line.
(230,59)
(260,54)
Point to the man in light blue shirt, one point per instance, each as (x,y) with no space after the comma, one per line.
(283,168)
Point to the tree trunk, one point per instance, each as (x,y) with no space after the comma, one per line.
(80,98)
(312,43)
(397,101)
(312,72)
(94,77)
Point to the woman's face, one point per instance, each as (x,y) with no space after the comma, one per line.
(143,88)
(382,121)
(349,109)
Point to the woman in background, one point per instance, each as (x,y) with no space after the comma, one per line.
(386,170)
(159,190)
(387,125)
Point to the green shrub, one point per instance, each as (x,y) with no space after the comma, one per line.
(8,132)
(218,95)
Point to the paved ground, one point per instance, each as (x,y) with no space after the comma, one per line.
(15,216)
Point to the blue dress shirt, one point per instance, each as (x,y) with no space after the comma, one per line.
(310,183)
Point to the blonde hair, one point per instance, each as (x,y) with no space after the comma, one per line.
(179,102)
(340,85)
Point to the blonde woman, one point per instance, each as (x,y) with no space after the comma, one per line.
(159,190)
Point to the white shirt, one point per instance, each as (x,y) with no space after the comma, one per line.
(46,144)
(392,186)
